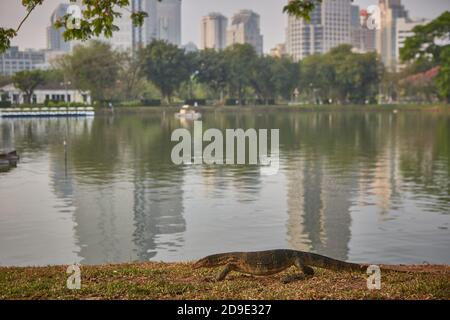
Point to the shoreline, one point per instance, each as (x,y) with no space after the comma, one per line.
(438,108)
(158,280)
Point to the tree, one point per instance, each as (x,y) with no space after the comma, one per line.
(262,78)
(427,41)
(27,82)
(129,80)
(286,75)
(97,18)
(166,66)
(443,77)
(213,71)
(430,43)
(240,60)
(341,75)
(94,67)
(4,80)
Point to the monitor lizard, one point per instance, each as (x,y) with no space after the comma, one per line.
(263,263)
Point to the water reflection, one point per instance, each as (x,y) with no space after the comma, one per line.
(355,186)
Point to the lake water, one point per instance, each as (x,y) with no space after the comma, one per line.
(358,186)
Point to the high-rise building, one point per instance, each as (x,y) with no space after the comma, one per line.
(245,28)
(362,37)
(329,27)
(214,31)
(55,39)
(169,21)
(13,60)
(403,30)
(386,37)
(355,28)
(336,23)
(122,39)
(162,23)
(146,33)
(368,35)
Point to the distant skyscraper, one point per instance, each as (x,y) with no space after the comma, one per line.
(368,36)
(162,23)
(362,38)
(214,31)
(245,28)
(336,23)
(169,21)
(386,42)
(146,33)
(403,30)
(355,28)
(328,27)
(122,39)
(13,60)
(55,39)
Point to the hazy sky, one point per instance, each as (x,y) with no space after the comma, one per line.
(273,21)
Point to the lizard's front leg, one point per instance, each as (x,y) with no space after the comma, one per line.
(228,268)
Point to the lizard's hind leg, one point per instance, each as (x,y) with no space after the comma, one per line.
(228,268)
(308,271)
(305,271)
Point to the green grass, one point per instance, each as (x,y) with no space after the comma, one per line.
(180,281)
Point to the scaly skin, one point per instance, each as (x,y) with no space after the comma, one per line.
(263,263)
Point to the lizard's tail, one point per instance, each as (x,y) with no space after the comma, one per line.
(317,260)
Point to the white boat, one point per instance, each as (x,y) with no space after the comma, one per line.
(47,112)
(186,112)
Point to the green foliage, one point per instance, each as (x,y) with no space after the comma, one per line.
(5,104)
(241,62)
(166,65)
(286,76)
(300,8)
(213,71)
(341,76)
(6,34)
(4,80)
(62,104)
(94,68)
(427,47)
(28,81)
(443,77)
(262,78)
(425,43)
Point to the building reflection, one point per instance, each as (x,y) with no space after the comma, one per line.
(319,203)
(158,212)
(120,213)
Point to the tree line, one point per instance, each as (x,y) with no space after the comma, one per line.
(164,71)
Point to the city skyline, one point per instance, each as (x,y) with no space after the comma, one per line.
(273,21)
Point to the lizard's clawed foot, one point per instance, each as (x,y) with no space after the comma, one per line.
(292,278)
(308,271)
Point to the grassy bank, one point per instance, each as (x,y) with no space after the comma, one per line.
(180,281)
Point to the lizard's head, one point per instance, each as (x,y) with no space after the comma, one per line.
(214,260)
